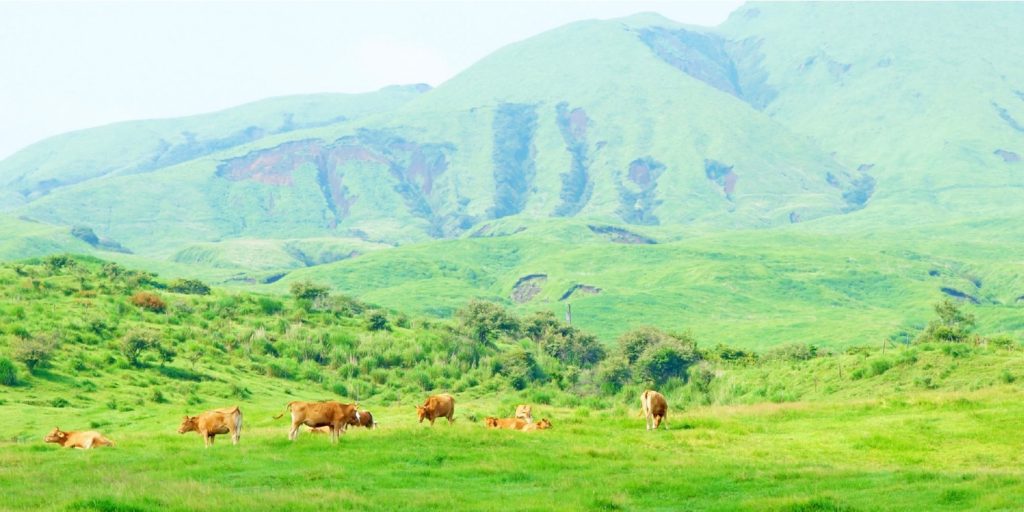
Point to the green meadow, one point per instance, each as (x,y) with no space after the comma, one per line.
(928,423)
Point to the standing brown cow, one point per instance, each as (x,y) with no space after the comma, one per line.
(321,414)
(211,423)
(655,408)
(83,440)
(437,406)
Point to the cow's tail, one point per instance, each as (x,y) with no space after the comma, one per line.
(287,408)
(238,421)
(645,403)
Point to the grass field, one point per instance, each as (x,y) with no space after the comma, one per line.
(930,451)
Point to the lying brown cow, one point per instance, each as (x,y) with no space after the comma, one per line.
(437,406)
(655,408)
(83,440)
(505,423)
(543,424)
(525,413)
(321,414)
(211,423)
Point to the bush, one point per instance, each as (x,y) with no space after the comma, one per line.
(135,343)
(8,372)
(633,343)
(158,397)
(666,360)
(376,320)
(793,352)
(269,306)
(486,321)
(701,376)
(1003,342)
(189,286)
(306,290)
(149,301)
(59,403)
(519,366)
(952,326)
(35,351)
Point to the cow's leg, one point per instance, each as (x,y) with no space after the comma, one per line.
(234,436)
(451,417)
(432,421)
(294,431)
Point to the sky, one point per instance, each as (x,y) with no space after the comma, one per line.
(74,65)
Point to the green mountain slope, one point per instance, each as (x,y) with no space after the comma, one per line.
(813,172)
(138,147)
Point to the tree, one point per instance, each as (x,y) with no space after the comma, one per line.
(137,341)
(306,290)
(376,320)
(34,351)
(614,373)
(633,343)
(665,360)
(486,321)
(189,286)
(953,325)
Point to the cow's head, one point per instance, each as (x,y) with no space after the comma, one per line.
(56,436)
(491,421)
(188,424)
(543,424)
(421,412)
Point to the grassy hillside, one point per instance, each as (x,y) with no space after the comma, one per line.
(817,173)
(751,288)
(798,428)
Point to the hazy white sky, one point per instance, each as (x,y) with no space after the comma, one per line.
(66,66)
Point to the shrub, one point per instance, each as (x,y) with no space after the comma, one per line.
(158,397)
(486,321)
(135,343)
(189,286)
(35,351)
(8,372)
(1002,341)
(519,366)
(376,320)
(633,343)
(306,290)
(149,301)
(269,306)
(793,352)
(1006,377)
(701,376)
(952,326)
(879,366)
(666,360)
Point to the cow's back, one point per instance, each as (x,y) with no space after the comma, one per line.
(441,405)
(657,403)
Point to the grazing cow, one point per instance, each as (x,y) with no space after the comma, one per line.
(437,406)
(525,413)
(211,423)
(83,440)
(655,408)
(543,424)
(365,420)
(505,423)
(321,414)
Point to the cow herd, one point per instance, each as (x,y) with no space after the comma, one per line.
(335,417)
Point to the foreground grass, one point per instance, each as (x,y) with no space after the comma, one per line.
(927,451)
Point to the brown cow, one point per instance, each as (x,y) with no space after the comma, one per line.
(505,423)
(321,414)
(525,413)
(437,406)
(211,423)
(655,409)
(83,440)
(543,424)
(365,420)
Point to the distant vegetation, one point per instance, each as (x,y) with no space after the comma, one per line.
(86,318)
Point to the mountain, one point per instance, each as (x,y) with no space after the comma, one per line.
(805,171)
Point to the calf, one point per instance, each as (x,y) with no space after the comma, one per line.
(505,423)
(211,423)
(83,440)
